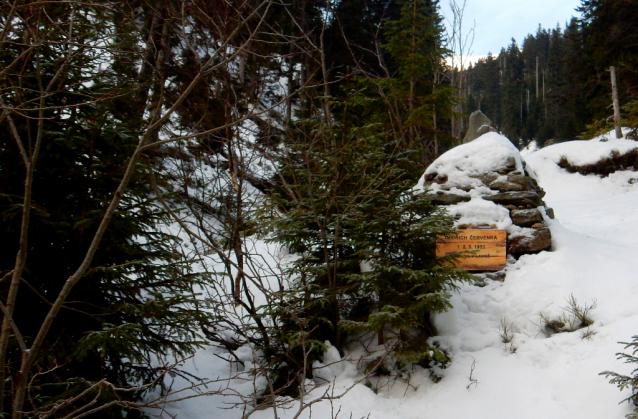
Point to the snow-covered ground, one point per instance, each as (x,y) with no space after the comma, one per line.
(594,258)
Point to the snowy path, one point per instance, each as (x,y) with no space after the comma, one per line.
(594,258)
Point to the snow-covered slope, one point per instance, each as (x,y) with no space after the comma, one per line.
(594,259)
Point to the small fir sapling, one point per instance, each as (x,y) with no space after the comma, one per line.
(627,381)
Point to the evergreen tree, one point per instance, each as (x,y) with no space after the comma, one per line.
(542,91)
(354,37)
(485,88)
(608,34)
(349,211)
(609,31)
(512,92)
(415,90)
(75,93)
(342,202)
(571,77)
(627,381)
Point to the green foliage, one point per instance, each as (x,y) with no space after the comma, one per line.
(366,244)
(557,82)
(596,128)
(627,381)
(135,303)
(414,41)
(353,36)
(629,119)
(608,27)
(629,115)
(343,203)
(406,282)
(415,91)
(358,211)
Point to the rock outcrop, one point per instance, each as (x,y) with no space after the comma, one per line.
(486,183)
(479,124)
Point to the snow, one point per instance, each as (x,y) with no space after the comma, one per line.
(582,152)
(479,211)
(463,165)
(488,153)
(593,258)
(530,148)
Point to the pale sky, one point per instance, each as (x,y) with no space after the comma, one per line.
(498,21)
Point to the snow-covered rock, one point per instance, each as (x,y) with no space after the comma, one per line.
(464,165)
(584,152)
(485,184)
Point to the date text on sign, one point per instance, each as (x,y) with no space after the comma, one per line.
(488,247)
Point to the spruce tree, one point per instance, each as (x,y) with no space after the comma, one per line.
(629,382)
(512,92)
(354,37)
(353,207)
(485,88)
(416,90)
(343,202)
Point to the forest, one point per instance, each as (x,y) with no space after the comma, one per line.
(556,84)
(154,153)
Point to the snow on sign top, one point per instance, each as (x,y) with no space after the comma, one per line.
(488,153)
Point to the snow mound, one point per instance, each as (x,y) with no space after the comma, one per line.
(479,211)
(481,182)
(488,153)
(584,152)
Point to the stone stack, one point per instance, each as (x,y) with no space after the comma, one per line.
(487,184)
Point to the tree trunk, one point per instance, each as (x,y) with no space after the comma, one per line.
(614,96)
(537,95)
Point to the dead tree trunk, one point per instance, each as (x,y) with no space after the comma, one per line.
(537,78)
(614,97)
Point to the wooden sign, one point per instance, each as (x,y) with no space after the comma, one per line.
(488,249)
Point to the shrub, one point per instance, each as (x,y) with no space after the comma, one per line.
(574,317)
(605,166)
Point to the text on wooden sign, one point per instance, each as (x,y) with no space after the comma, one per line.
(488,249)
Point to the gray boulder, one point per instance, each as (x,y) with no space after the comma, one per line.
(508,167)
(538,238)
(508,187)
(515,183)
(441,198)
(479,125)
(518,198)
(526,217)
(485,178)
